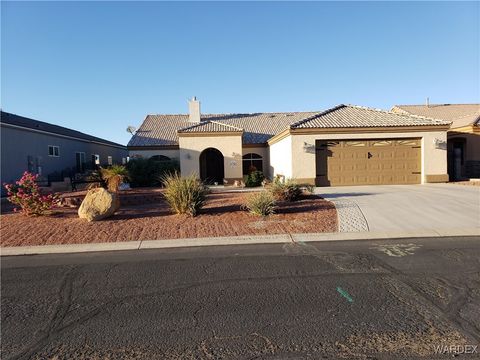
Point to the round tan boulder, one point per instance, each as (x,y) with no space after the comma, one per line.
(98,204)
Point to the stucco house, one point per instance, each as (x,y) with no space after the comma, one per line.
(463,137)
(45,149)
(344,145)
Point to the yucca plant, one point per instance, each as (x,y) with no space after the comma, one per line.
(260,204)
(185,195)
(114,176)
(287,191)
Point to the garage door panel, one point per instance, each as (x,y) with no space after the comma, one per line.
(383,161)
(361,166)
(374,179)
(387,155)
(334,168)
(361,155)
(387,166)
(388,179)
(362,180)
(400,166)
(413,166)
(347,166)
(374,166)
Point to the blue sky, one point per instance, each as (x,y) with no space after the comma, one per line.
(100,66)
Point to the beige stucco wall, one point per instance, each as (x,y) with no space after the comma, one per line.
(146,154)
(280,154)
(263,152)
(434,159)
(230,146)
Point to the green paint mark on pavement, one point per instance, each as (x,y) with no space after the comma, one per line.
(345,294)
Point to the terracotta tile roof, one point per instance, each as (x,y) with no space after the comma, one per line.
(459,114)
(258,128)
(210,126)
(345,116)
(161,130)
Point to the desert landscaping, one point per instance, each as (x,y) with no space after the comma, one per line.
(222,216)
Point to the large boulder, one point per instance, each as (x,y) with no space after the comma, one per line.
(98,204)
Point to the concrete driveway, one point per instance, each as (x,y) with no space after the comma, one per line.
(406,207)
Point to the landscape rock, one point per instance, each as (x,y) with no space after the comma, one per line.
(98,204)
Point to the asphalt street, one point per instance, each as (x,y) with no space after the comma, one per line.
(383,299)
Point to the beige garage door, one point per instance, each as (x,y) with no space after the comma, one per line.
(368,162)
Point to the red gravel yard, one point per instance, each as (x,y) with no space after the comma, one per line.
(222,216)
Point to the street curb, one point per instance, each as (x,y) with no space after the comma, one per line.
(231,240)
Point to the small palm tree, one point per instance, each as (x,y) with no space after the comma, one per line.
(114,176)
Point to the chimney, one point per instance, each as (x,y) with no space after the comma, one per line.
(194,110)
(427,102)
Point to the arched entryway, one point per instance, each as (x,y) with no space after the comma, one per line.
(211,166)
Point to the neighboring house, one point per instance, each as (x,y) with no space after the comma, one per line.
(345,145)
(45,149)
(463,136)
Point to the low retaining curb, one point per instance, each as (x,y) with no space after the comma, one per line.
(230,240)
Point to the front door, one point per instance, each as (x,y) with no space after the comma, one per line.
(212,166)
(458,149)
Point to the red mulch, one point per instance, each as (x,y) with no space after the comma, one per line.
(222,216)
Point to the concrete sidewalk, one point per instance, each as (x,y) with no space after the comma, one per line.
(232,240)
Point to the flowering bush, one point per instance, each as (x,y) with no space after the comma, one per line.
(26,194)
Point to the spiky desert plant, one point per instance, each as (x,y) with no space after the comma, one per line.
(114,176)
(261,203)
(285,191)
(185,195)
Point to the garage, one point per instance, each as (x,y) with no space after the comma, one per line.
(368,162)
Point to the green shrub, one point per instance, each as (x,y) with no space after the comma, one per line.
(277,188)
(114,176)
(310,189)
(255,178)
(149,172)
(185,195)
(287,191)
(261,204)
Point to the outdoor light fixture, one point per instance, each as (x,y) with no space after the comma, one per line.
(439,143)
(308,147)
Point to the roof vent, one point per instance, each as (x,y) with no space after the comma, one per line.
(427,102)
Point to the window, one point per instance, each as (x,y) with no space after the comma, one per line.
(110,160)
(252,162)
(382,143)
(124,161)
(80,161)
(53,150)
(95,159)
(355,143)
